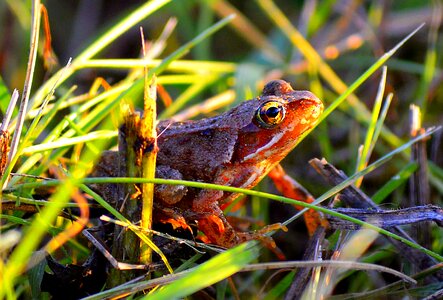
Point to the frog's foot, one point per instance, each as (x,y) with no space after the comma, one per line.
(171,216)
(218,231)
(267,241)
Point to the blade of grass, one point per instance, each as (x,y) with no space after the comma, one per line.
(101,43)
(380,121)
(187,95)
(80,132)
(246,29)
(436,176)
(49,114)
(229,262)
(29,134)
(186,47)
(187,66)
(65,142)
(325,71)
(207,106)
(19,258)
(397,180)
(36,13)
(430,63)
(121,218)
(357,83)
(205,19)
(7,117)
(369,139)
(208,273)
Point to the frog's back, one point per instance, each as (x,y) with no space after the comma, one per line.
(199,148)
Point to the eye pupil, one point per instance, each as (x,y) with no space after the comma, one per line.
(270,114)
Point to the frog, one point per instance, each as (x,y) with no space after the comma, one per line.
(236,148)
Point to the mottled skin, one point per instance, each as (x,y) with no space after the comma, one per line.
(234,148)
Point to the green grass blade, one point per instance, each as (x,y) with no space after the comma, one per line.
(66,142)
(120,217)
(102,42)
(397,180)
(186,66)
(369,139)
(187,95)
(297,39)
(208,273)
(358,82)
(436,176)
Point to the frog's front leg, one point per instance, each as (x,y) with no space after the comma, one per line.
(212,222)
(169,194)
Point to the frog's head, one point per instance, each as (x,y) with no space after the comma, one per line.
(277,119)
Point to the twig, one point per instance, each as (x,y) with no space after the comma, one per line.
(355,198)
(388,218)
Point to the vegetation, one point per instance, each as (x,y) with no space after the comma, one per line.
(79,69)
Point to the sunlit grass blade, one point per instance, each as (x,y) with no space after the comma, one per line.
(186,66)
(33,234)
(355,246)
(430,63)
(49,114)
(65,142)
(210,272)
(187,95)
(369,139)
(121,218)
(30,132)
(362,114)
(329,109)
(35,30)
(209,105)
(99,44)
(380,121)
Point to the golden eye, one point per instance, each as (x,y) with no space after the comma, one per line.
(270,114)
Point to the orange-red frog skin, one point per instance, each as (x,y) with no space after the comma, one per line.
(236,148)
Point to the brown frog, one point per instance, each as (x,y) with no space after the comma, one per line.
(236,148)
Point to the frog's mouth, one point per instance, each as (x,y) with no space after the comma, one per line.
(265,150)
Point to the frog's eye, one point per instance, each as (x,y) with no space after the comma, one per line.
(270,114)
